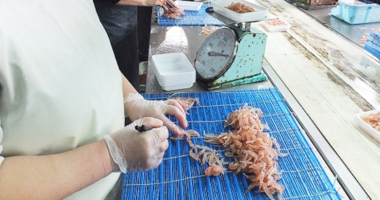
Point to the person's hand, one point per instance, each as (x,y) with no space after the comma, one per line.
(158,3)
(137,107)
(138,151)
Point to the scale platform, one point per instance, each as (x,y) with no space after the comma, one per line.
(246,80)
(181,177)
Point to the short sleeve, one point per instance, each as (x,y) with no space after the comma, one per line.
(1,147)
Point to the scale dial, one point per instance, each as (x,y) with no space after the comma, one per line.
(216,54)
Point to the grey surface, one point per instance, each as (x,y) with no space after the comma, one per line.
(353,33)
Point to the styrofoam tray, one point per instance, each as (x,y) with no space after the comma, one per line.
(371,131)
(189,5)
(272,28)
(221,8)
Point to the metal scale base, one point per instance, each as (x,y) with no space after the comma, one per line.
(246,80)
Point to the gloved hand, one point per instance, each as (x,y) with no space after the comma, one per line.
(137,107)
(138,151)
(156,3)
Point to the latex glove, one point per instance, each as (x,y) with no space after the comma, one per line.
(162,2)
(138,151)
(155,3)
(137,107)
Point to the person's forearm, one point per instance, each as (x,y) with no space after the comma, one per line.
(127,87)
(53,176)
(132,3)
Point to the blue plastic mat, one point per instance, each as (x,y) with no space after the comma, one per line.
(372,51)
(373,44)
(181,177)
(191,18)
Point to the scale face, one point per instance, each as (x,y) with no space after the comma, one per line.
(216,54)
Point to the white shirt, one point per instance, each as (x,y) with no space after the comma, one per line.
(60,86)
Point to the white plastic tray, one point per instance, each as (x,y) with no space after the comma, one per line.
(272,28)
(173,71)
(172,65)
(221,8)
(189,5)
(168,86)
(371,131)
(177,87)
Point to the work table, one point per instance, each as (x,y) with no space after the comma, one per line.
(324,78)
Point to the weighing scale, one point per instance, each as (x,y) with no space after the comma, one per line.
(231,56)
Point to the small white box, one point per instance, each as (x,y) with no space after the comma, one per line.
(177,87)
(173,71)
(221,8)
(189,5)
(371,131)
(172,64)
(277,28)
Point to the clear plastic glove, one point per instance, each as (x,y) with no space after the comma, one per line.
(138,151)
(146,3)
(159,3)
(137,107)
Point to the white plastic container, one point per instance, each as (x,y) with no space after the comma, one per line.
(189,5)
(277,28)
(177,87)
(173,71)
(366,127)
(221,8)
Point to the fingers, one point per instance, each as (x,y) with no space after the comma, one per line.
(174,111)
(164,146)
(173,127)
(162,133)
(150,121)
(166,10)
(172,2)
(175,103)
(155,160)
(155,163)
(160,3)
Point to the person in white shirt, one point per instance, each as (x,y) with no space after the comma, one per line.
(63,102)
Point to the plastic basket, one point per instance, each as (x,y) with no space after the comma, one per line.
(357,13)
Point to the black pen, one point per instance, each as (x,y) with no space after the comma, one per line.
(143,128)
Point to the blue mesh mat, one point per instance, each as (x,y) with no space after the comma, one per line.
(373,44)
(181,177)
(191,18)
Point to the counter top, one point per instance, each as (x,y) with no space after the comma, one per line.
(325,79)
